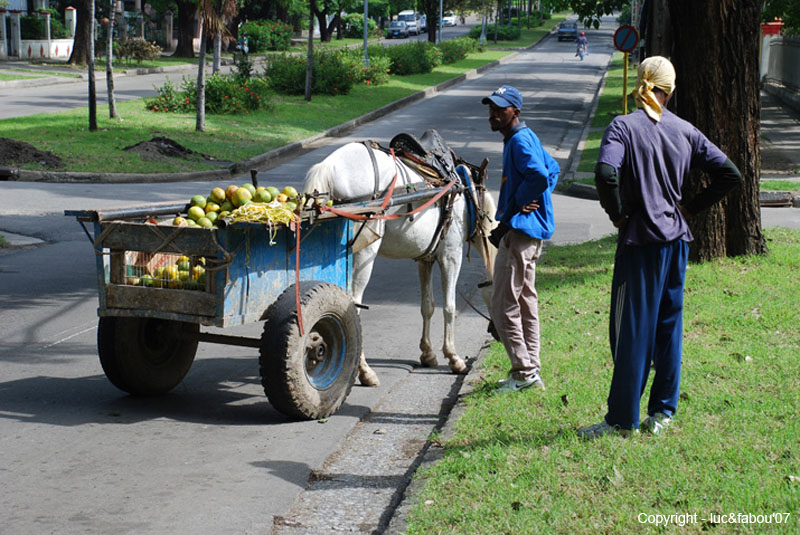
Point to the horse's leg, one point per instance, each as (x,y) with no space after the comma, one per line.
(450,266)
(363,261)
(427,306)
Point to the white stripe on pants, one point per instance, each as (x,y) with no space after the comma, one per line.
(515,304)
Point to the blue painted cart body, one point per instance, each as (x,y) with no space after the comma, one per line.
(249,266)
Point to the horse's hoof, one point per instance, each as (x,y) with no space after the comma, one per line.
(457,365)
(428,360)
(368,378)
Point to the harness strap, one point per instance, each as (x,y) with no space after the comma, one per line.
(362,217)
(375,172)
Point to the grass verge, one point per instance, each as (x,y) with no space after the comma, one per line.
(228,138)
(528,36)
(780,185)
(515,464)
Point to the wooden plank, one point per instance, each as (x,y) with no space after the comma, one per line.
(149,238)
(190,302)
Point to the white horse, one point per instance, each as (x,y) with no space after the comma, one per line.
(348,174)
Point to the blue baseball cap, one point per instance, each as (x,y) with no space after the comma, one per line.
(505,96)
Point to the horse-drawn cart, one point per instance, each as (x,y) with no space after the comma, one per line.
(159,283)
(151,311)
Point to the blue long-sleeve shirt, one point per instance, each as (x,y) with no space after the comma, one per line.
(529,174)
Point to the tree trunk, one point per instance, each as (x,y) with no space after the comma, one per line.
(80,47)
(718,92)
(215,66)
(657,26)
(310,56)
(200,125)
(187,9)
(112,104)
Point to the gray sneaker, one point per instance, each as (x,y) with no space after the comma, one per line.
(513,385)
(656,423)
(603,428)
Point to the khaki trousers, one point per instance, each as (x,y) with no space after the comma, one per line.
(515,304)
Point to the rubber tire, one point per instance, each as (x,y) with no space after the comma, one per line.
(146,356)
(294,384)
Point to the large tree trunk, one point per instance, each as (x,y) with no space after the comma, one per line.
(187,9)
(716,61)
(80,47)
(656,25)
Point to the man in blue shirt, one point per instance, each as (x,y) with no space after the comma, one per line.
(525,213)
(644,159)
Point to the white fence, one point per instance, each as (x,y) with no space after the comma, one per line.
(44,48)
(780,69)
(783,65)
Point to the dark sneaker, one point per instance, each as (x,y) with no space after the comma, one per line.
(601,429)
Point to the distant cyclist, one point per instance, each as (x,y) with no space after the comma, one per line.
(583,46)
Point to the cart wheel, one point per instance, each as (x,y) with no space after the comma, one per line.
(146,356)
(310,376)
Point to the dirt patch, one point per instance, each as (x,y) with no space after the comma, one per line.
(13,152)
(161,149)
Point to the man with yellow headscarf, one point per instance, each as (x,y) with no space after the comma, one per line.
(644,159)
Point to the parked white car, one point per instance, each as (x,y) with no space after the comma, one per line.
(449,19)
(411,18)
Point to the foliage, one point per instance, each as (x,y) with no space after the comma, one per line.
(31,27)
(456,49)
(504,32)
(137,49)
(378,71)
(263,35)
(333,72)
(788,10)
(625,15)
(418,57)
(225,94)
(354,26)
(377,8)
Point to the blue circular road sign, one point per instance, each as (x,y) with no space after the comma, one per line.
(626,38)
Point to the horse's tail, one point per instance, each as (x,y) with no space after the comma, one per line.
(487,224)
(320,178)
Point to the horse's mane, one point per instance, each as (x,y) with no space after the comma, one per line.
(319,178)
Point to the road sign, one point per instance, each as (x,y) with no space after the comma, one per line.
(626,38)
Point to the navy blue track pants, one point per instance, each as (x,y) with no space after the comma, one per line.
(646,325)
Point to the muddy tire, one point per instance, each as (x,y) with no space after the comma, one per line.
(309,376)
(146,356)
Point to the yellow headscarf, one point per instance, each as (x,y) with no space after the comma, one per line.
(655,71)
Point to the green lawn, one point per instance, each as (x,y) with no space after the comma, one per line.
(780,185)
(515,464)
(230,138)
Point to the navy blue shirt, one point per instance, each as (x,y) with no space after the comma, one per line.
(652,160)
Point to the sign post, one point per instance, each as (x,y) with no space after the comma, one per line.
(625,40)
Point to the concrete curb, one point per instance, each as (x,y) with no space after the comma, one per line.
(434,453)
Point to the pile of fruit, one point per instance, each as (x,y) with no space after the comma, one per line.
(178,272)
(241,203)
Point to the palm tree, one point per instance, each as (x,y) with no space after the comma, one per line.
(212,23)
